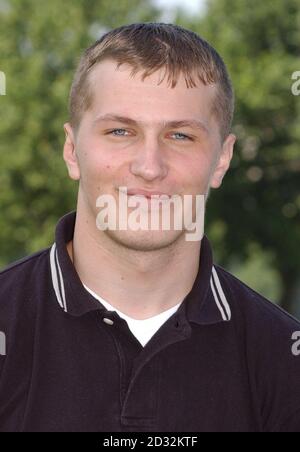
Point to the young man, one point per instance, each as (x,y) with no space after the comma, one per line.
(125,330)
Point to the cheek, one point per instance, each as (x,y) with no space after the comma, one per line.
(95,162)
(98,174)
(197,174)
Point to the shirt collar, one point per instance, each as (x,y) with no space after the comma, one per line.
(205,304)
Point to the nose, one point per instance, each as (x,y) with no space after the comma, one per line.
(149,162)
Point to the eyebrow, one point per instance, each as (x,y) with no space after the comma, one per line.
(194,123)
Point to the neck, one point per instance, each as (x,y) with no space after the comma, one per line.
(140,284)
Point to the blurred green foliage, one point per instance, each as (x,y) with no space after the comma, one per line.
(253,220)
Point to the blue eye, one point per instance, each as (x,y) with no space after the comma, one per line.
(116,130)
(183,135)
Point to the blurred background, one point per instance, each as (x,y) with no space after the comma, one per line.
(253,220)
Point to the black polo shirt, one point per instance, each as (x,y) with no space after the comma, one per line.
(223,362)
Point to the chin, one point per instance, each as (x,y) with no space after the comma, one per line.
(145,240)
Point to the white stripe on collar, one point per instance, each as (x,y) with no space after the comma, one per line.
(57,278)
(221,301)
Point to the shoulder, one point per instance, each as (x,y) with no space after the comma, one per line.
(268,340)
(21,269)
(23,263)
(252,307)
(19,281)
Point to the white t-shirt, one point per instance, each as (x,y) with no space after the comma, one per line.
(143,330)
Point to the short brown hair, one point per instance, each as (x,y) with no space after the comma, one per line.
(148,47)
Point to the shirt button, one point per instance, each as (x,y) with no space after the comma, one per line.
(108,321)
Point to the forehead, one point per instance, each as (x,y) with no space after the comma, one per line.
(111,86)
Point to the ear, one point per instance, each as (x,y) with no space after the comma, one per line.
(69,153)
(223,161)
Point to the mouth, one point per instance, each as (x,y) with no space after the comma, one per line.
(145,193)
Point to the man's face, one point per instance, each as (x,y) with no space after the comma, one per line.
(149,154)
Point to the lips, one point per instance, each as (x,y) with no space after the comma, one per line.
(145,193)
